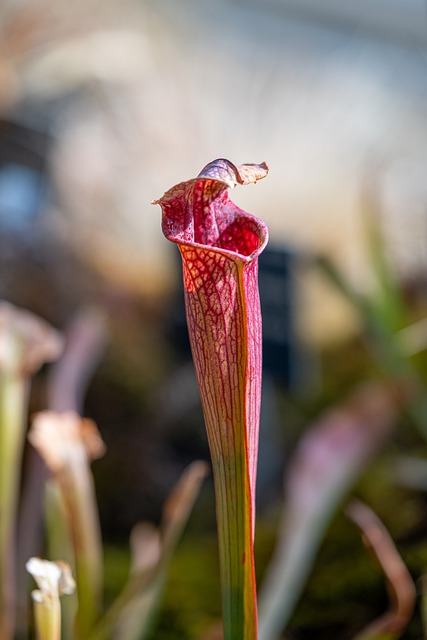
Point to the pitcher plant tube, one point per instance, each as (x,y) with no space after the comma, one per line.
(219,245)
(26,342)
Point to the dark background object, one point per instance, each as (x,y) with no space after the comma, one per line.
(281,349)
(24,154)
(277,293)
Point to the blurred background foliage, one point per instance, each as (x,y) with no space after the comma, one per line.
(103,106)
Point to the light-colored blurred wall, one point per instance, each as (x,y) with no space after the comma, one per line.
(333,102)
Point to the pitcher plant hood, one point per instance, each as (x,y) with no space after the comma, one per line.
(220,244)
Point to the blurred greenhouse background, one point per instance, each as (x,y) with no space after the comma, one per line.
(105,105)
(128,98)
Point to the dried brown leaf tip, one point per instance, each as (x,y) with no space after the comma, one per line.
(65,439)
(26,341)
(53,579)
(231,174)
(146,546)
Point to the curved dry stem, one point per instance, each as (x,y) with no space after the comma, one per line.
(401,588)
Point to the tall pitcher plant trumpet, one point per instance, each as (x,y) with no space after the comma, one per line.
(220,244)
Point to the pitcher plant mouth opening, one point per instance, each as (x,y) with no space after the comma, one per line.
(199,212)
(219,245)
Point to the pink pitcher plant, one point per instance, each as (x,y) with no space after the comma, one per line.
(220,244)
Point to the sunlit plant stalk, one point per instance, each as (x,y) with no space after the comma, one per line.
(59,544)
(26,342)
(53,579)
(220,245)
(67,443)
(84,340)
